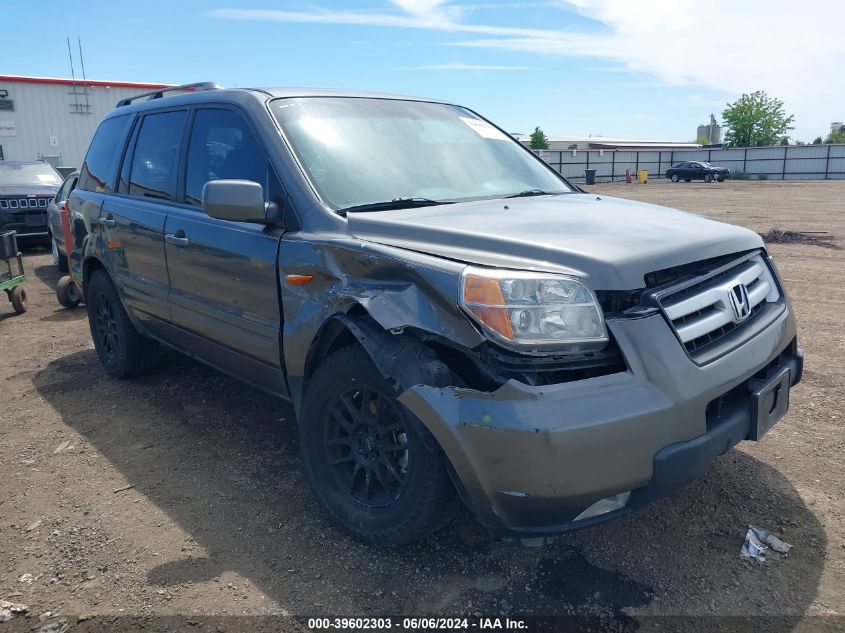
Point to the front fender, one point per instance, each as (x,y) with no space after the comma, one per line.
(397,288)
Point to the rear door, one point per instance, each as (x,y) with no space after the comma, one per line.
(133,220)
(696,171)
(223,280)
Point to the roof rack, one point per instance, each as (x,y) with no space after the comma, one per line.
(158,94)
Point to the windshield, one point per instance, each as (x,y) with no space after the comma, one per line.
(28,174)
(360,151)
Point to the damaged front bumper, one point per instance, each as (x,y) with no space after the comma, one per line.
(536,460)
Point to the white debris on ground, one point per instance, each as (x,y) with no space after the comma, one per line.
(757,541)
(9,610)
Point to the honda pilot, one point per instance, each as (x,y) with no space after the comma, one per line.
(449,317)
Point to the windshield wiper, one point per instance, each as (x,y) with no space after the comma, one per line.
(533,192)
(395,203)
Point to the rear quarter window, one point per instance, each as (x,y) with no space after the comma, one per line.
(98,170)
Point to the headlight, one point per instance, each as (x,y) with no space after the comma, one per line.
(524,309)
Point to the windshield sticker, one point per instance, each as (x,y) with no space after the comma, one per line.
(482,128)
(46,178)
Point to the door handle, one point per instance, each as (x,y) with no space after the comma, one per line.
(109,222)
(177,239)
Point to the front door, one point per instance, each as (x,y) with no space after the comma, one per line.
(223,280)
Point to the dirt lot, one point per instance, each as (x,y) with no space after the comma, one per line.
(218,520)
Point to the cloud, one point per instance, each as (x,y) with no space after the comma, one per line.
(796,53)
(460,66)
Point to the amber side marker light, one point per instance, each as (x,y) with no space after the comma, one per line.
(483,296)
(298,280)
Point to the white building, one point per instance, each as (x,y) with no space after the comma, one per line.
(54,119)
(560,143)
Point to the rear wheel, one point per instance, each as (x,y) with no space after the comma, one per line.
(59,260)
(675,178)
(122,350)
(371,464)
(17,296)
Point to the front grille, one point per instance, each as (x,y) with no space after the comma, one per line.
(26,215)
(721,304)
(23,203)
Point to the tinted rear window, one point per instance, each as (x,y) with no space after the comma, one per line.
(98,170)
(156,155)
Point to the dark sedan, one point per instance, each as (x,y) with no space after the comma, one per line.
(54,221)
(696,170)
(26,188)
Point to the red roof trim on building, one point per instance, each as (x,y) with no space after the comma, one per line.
(79,82)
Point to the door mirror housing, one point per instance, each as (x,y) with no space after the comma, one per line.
(235,200)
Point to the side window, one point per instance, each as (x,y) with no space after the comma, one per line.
(97,173)
(155,160)
(64,190)
(222,146)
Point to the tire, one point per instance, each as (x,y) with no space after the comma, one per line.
(17,296)
(708,178)
(720,179)
(67,292)
(121,349)
(675,178)
(350,418)
(59,260)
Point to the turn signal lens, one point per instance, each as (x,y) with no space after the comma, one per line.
(485,295)
(524,309)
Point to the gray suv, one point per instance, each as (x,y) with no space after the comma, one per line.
(449,316)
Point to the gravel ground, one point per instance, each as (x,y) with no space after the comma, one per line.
(180,494)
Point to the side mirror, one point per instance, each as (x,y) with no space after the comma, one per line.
(236,200)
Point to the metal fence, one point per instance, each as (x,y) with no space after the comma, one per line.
(777,162)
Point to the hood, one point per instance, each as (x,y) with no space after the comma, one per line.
(37,189)
(610,242)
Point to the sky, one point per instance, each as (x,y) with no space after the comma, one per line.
(627,68)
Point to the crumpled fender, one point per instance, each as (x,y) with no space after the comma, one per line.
(395,288)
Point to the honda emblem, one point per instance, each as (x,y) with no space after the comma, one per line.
(740,305)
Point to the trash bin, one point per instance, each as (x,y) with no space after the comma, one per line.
(591,176)
(642,176)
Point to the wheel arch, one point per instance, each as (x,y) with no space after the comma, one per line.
(400,357)
(90,266)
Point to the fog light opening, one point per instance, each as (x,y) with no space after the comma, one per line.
(603,506)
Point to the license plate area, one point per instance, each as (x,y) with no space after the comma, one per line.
(36,219)
(769,402)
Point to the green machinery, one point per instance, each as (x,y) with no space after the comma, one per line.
(11,279)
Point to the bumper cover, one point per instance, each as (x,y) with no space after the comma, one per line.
(529,460)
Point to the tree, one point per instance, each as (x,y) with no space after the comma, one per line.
(837,136)
(784,140)
(756,119)
(538,139)
(817,140)
(702,140)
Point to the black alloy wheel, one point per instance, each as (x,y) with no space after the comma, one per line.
(373,466)
(106,327)
(122,350)
(367,446)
